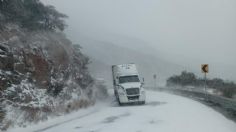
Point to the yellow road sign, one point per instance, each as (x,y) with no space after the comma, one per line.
(205,68)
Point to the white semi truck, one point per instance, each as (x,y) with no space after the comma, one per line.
(127,85)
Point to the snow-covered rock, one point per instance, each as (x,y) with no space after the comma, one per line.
(41,74)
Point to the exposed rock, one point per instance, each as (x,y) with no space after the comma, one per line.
(20,67)
(41,72)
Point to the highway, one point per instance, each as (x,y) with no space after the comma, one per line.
(162,112)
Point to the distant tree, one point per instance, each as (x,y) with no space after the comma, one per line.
(52,19)
(189,79)
(13,10)
(215,83)
(32,14)
(186,78)
(229,89)
(174,80)
(81,62)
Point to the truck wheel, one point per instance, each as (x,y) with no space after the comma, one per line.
(121,104)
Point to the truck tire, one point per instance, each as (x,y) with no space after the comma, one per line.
(120,104)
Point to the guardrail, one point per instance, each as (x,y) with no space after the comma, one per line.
(228,105)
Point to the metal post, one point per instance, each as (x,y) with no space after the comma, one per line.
(155,81)
(205,85)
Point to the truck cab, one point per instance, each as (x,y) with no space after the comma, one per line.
(127,85)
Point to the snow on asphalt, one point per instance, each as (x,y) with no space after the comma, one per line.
(163,112)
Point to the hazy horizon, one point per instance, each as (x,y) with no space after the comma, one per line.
(185,32)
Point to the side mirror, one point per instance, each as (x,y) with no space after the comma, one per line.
(142,83)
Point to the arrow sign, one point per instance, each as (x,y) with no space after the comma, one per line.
(205,68)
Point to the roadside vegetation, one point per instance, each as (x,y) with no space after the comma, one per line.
(227,88)
(31,14)
(42,74)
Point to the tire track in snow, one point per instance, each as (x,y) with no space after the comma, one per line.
(64,122)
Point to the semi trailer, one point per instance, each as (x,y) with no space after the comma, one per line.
(127,85)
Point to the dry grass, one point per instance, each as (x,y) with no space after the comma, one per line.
(78,104)
(6,125)
(35,115)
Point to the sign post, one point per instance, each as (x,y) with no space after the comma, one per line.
(205,70)
(155,80)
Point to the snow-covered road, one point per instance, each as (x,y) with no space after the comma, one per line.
(162,113)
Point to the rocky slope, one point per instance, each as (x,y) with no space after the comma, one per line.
(41,74)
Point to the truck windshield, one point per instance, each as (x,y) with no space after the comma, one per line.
(126,79)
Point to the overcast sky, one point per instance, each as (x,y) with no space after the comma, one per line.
(202,31)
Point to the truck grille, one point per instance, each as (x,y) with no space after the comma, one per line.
(132,91)
(133,97)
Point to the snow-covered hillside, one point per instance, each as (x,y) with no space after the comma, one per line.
(162,113)
(104,54)
(42,74)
